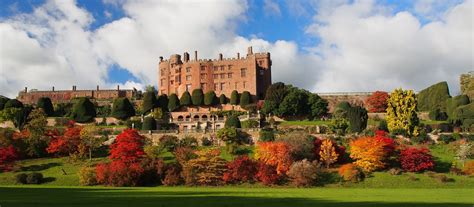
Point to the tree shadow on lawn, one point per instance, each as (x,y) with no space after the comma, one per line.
(441,166)
(33,196)
(40,167)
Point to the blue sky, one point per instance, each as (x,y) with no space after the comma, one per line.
(299,30)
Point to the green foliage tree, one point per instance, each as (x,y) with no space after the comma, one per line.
(222,99)
(198,97)
(45,104)
(83,110)
(173,102)
(318,107)
(234,98)
(433,97)
(122,109)
(37,141)
(210,98)
(401,112)
(232,121)
(13,103)
(357,117)
(245,98)
(90,140)
(185,99)
(149,123)
(20,116)
(465,115)
(149,102)
(294,103)
(3,101)
(273,97)
(162,102)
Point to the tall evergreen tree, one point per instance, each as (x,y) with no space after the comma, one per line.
(122,109)
(234,97)
(45,104)
(185,99)
(149,102)
(173,102)
(198,97)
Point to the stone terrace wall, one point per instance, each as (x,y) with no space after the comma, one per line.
(354,98)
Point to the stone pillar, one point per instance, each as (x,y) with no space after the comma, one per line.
(195,55)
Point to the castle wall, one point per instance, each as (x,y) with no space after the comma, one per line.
(355,99)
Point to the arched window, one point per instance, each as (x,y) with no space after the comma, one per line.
(196,118)
(180,118)
(204,118)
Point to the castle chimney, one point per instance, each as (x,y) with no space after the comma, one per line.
(118,87)
(161,59)
(97,87)
(220,56)
(238,55)
(249,50)
(196,55)
(53,88)
(73,88)
(26,89)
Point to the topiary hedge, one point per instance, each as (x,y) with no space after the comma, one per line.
(173,102)
(232,121)
(149,101)
(455,102)
(197,97)
(122,109)
(234,97)
(245,98)
(210,98)
(185,99)
(222,99)
(83,110)
(433,97)
(45,104)
(357,117)
(149,123)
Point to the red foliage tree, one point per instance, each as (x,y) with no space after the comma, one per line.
(340,150)
(389,143)
(65,144)
(377,102)
(8,156)
(242,169)
(416,160)
(128,147)
(267,174)
(119,173)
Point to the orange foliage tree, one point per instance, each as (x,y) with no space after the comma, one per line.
(369,153)
(275,154)
(328,153)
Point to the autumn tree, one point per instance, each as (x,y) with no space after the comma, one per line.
(369,153)
(275,154)
(401,111)
(90,140)
(8,156)
(67,143)
(128,147)
(328,153)
(377,102)
(207,169)
(36,126)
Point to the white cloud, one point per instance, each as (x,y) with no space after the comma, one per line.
(364,49)
(271,8)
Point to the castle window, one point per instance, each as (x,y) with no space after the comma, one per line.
(230,67)
(188,87)
(215,76)
(244,84)
(216,68)
(216,86)
(229,75)
(222,75)
(203,68)
(222,86)
(177,78)
(203,76)
(188,69)
(243,72)
(222,67)
(188,77)
(171,82)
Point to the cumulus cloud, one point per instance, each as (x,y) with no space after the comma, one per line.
(271,8)
(364,49)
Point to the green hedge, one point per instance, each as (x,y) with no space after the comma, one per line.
(185,99)
(46,104)
(122,109)
(149,123)
(197,97)
(173,102)
(433,97)
(83,110)
(232,121)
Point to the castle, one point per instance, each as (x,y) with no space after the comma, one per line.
(251,73)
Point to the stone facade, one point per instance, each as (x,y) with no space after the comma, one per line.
(61,96)
(467,84)
(223,75)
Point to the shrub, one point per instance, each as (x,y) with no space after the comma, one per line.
(222,99)
(266,135)
(455,102)
(188,141)
(207,169)
(251,123)
(184,154)
(122,109)
(66,144)
(303,173)
(172,175)
(276,154)
(197,97)
(83,110)
(232,121)
(34,178)
(369,153)
(127,147)
(87,176)
(13,103)
(339,126)
(357,117)
(169,142)
(149,101)
(21,178)
(8,156)
(173,102)
(416,160)
(340,150)
(3,101)
(119,173)
(242,169)
(401,111)
(300,143)
(468,168)
(234,97)
(245,99)
(377,102)
(153,151)
(210,98)
(446,138)
(433,97)
(185,99)
(267,174)
(149,123)
(350,172)
(438,115)
(45,104)
(328,153)
(206,142)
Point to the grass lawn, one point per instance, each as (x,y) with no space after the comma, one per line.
(303,123)
(231,196)
(428,122)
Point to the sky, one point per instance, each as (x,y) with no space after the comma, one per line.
(318,45)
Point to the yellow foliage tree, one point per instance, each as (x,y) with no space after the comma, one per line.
(328,152)
(401,111)
(368,153)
